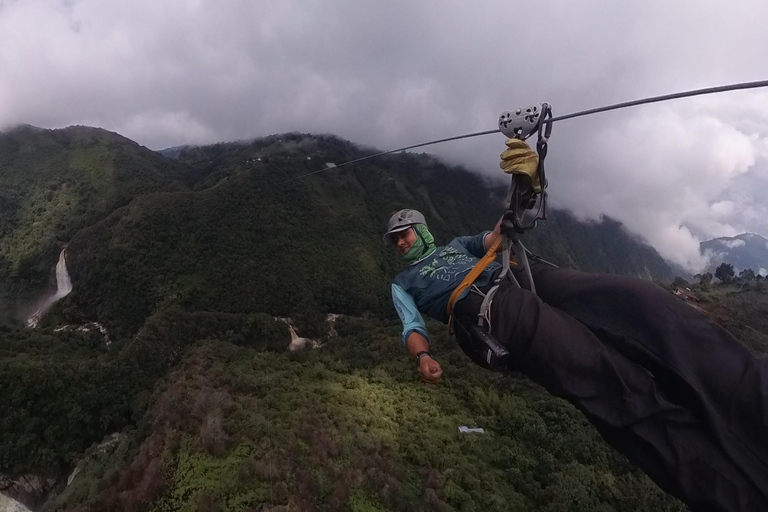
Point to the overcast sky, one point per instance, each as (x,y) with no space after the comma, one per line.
(393,73)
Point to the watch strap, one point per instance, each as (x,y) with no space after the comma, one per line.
(421,354)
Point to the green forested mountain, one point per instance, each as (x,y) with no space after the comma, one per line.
(54,183)
(245,240)
(228,205)
(187,261)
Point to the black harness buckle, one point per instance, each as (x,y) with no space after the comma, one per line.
(482,347)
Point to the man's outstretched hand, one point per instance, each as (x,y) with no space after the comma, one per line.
(429,370)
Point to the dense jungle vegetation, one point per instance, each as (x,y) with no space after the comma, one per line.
(188,260)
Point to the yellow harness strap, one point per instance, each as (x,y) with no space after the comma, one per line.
(472,276)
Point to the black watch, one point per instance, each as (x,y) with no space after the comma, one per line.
(422,354)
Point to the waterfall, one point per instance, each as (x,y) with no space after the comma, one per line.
(63,288)
(63,282)
(296,341)
(10,505)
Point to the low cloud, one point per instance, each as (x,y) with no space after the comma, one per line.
(664,173)
(732,244)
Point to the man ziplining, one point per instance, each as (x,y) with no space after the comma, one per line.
(675,393)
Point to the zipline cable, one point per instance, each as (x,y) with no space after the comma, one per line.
(458,137)
(666,97)
(616,106)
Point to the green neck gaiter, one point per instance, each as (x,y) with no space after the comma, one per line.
(423,246)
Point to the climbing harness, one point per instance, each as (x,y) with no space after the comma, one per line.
(523,195)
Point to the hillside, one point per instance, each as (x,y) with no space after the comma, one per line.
(745,251)
(54,183)
(193,402)
(741,310)
(347,427)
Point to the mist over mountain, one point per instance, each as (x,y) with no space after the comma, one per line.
(745,251)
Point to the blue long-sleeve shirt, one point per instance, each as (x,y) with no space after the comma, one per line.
(426,285)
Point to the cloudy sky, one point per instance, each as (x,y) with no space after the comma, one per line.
(394,73)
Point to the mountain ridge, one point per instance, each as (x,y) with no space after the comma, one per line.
(240,212)
(75,186)
(743,251)
(54,183)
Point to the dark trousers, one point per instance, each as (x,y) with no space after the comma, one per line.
(675,393)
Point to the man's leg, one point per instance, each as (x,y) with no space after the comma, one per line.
(626,404)
(697,362)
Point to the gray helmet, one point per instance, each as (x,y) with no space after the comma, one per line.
(401,221)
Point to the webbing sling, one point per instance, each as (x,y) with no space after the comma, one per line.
(472,276)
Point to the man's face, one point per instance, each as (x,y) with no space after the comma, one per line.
(404,240)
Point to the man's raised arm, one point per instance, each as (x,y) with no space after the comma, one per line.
(494,235)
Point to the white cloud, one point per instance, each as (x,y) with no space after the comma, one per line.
(732,244)
(390,74)
(168,128)
(661,173)
(723,208)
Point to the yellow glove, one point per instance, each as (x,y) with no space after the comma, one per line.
(518,158)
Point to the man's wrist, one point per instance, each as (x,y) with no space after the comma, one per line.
(421,355)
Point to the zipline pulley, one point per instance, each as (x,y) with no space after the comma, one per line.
(523,196)
(524,122)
